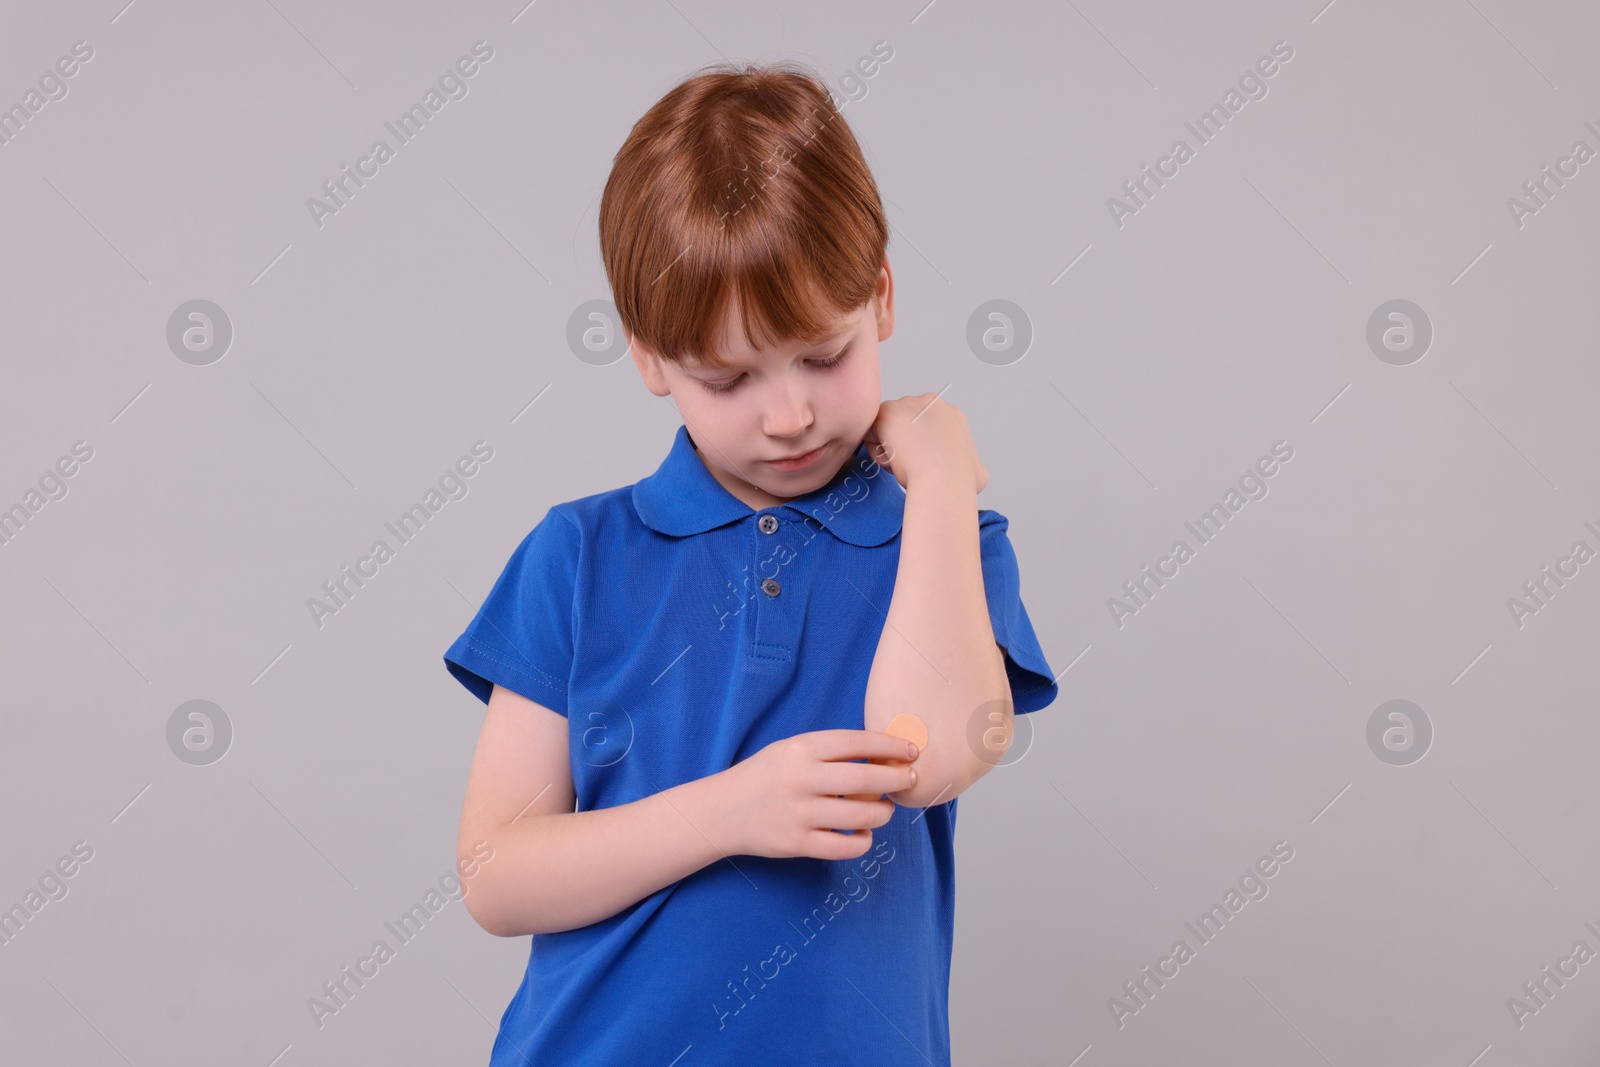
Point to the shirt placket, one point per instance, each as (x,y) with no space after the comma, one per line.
(778,605)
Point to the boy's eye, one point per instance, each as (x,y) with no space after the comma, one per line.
(730,386)
(835,360)
(723,387)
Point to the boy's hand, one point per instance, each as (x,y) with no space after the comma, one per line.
(787,799)
(913,729)
(922,437)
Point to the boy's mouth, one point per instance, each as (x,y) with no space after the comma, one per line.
(800,462)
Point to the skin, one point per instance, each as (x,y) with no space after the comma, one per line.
(782,403)
(937,658)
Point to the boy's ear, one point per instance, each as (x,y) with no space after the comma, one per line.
(883,300)
(649,365)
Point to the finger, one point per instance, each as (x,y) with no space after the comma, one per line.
(850,813)
(827,845)
(914,730)
(836,745)
(868,781)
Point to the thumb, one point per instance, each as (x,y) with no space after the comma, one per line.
(881,452)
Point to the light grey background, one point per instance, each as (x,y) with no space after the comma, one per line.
(1168,354)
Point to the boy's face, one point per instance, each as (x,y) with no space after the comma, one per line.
(780,402)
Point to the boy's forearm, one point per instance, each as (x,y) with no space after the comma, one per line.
(561,871)
(937,657)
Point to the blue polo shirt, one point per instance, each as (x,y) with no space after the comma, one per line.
(680,632)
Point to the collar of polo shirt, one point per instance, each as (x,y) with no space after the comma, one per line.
(682,498)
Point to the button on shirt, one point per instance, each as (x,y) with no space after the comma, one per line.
(680,632)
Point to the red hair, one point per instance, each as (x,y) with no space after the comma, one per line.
(742,185)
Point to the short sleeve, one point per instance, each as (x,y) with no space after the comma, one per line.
(1032,682)
(522,637)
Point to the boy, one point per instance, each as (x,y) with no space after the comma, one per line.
(698,662)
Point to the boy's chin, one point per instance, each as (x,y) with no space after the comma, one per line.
(814,480)
(825,472)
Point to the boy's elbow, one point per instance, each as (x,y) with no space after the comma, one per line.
(944,776)
(497,924)
(488,920)
(488,908)
(940,779)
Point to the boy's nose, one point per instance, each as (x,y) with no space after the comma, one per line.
(789,415)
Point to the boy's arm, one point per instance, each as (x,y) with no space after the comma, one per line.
(531,864)
(937,657)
